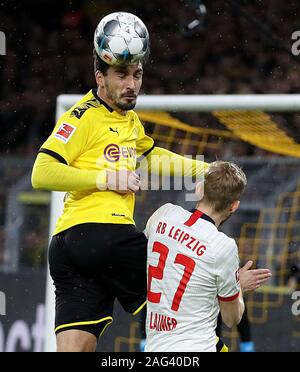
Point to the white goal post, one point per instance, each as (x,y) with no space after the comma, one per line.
(197,103)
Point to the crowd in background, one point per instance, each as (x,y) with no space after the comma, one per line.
(236,49)
(49,52)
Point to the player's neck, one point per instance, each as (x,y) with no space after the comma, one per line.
(206,209)
(109,103)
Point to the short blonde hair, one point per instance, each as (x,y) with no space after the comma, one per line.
(224,183)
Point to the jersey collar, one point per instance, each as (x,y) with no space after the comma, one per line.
(94,91)
(203,216)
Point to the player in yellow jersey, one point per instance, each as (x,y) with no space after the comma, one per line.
(96,253)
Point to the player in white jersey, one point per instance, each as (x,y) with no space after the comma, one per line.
(193,269)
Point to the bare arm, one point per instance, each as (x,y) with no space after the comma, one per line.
(232,311)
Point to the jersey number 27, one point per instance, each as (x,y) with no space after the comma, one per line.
(157,272)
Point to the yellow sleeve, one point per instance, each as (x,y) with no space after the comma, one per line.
(50,174)
(144,143)
(165,162)
(68,139)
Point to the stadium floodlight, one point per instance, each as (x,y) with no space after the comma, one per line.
(197,24)
(196,103)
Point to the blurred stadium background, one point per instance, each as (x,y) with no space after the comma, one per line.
(238,47)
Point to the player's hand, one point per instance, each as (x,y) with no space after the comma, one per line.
(123,181)
(252,279)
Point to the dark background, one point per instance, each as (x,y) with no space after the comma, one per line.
(241,47)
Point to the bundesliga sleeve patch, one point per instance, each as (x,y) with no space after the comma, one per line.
(65,132)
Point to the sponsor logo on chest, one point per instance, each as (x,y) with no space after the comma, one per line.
(114,152)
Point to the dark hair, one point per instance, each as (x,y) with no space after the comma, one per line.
(99,65)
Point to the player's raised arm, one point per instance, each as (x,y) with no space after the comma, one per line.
(179,165)
(165,162)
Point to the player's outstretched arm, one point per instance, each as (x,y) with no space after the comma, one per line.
(165,162)
(50,174)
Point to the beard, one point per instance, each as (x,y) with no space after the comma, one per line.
(125,106)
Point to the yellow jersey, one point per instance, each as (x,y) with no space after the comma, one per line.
(92,136)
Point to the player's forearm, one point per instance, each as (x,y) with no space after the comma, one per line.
(241,306)
(232,311)
(165,162)
(49,174)
(236,315)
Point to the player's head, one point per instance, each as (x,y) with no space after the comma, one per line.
(224,183)
(120,84)
(121,47)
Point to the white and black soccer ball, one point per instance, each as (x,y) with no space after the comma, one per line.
(121,38)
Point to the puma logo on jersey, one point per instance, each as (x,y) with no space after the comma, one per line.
(114,130)
(80,110)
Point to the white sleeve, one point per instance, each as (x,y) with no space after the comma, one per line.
(155,217)
(227,266)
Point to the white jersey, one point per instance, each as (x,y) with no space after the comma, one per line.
(191,265)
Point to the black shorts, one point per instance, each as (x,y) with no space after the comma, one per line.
(91,265)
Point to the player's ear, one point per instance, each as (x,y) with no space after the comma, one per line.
(234,206)
(199,191)
(99,78)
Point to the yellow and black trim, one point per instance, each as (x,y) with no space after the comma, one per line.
(86,326)
(221,347)
(54,155)
(148,151)
(94,91)
(139,308)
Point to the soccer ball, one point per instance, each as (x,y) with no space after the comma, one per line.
(121,38)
